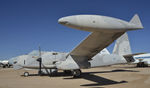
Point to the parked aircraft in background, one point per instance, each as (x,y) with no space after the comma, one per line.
(5,63)
(142,60)
(104,31)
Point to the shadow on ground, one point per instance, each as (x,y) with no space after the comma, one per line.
(59,74)
(100,81)
(117,70)
(133,66)
(62,74)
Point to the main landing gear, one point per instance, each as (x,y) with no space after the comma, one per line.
(142,64)
(76,73)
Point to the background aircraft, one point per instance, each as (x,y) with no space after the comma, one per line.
(142,60)
(5,63)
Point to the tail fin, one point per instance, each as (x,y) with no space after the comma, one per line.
(122,45)
(136,20)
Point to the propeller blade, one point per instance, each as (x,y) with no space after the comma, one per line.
(40,61)
(39,51)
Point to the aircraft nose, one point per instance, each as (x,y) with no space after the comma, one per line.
(62,21)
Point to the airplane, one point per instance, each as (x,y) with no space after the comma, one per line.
(104,30)
(142,60)
(5,63)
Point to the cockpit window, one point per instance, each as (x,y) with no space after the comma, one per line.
(15,62)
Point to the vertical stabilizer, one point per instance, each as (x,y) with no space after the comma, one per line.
(122,45)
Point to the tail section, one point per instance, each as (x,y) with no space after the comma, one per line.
(122,46)
(136,20)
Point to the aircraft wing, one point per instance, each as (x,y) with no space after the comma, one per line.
(94,43)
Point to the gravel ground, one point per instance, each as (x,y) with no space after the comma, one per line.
(116,76)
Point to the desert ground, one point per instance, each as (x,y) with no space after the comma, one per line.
(116,76)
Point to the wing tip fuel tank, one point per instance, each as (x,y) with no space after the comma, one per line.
(94,23)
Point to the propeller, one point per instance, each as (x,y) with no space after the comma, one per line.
(39,59)
(40,62)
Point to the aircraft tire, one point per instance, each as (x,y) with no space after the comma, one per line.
(26,74)
(142,64)
(4,66)
(77,73)
(40,73)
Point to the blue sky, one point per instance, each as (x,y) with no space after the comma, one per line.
(26,24)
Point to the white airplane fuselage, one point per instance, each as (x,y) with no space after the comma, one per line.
(104,58)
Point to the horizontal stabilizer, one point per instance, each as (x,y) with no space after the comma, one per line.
(133,54)
(129,57)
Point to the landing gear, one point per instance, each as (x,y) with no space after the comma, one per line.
(4,66)
(142,64)
(67,71)
(52,72)
(40,72)
(76,73)
(26,74)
